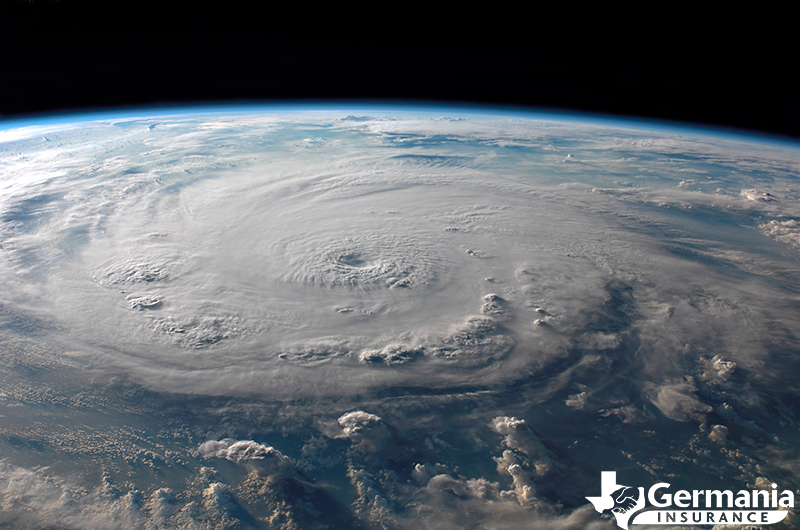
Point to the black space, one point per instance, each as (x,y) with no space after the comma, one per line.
(65,55)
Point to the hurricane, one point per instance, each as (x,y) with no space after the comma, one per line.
(323,317)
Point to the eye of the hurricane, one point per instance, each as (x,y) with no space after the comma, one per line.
(364,263)
(355,260)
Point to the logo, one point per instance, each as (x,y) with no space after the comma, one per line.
(629,505)
(623,501)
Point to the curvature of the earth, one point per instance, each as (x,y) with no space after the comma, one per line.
(398,317)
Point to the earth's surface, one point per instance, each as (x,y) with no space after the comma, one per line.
(397,318)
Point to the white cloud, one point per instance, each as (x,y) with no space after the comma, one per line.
(238,451)
(678,401)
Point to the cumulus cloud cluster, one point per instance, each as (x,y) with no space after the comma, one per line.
(787,231)
(355,424)
(33,500)
(238,451)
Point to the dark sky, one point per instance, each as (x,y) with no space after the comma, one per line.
(67,55)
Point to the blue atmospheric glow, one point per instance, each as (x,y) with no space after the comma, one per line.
(384,108)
